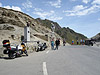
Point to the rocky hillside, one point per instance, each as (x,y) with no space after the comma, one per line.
(66,33)
(12,27)
(96,37)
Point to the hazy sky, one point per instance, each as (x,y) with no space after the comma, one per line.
(83,16)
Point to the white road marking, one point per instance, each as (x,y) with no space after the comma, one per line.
(47,52)
(45,69)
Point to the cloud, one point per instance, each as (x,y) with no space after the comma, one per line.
(73,0)
(13,7)
(27,4)
(56,4)
(47,15)
(44,14)
(55,18)
(0,4)
(96,2)
(38,9)
(85,1)
(80,10)
(79,7)
(99,19)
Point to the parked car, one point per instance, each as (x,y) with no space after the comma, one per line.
(89,42)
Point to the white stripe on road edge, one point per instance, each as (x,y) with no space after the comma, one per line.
(47,52)
(44,69)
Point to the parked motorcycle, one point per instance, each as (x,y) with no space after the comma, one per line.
(44,46)
(12,52)
(41,46)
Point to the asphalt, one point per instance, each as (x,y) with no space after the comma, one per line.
(67,60)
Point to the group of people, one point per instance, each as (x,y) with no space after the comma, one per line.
(79,42)
(55,43)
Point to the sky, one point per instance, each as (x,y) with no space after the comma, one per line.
(83,16)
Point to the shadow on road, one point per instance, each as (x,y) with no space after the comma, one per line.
(6,58)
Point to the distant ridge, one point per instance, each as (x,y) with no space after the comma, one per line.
(64,32)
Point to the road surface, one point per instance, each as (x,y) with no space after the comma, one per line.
(68,60)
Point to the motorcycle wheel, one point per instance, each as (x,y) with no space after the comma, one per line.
(19,53)
(37,50)
(12,55)
(26,53)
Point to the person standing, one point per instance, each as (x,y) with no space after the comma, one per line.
(64,42)
(57,43)
(72,42)
(81,42)
(77,42)
(52,44)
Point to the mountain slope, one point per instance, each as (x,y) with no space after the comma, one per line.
(66,33)
(96,37)
(13,22)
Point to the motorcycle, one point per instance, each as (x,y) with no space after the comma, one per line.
(44,46)
(12,51)
(41,47)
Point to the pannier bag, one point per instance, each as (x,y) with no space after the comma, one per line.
(6,43)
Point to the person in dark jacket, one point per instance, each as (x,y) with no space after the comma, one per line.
(57,43)
(64,42)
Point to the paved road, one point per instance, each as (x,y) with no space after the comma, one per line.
(68,60)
